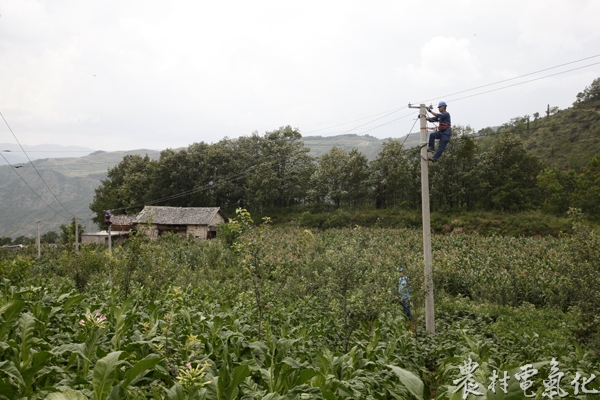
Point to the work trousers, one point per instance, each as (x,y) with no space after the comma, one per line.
(444,137)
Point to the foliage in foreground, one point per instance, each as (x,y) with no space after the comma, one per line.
(290,314)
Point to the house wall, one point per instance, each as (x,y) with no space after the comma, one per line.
(197,231)
(91,239)
(151,231)
(217,220)
(200,232)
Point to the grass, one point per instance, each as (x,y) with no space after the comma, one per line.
(529,223)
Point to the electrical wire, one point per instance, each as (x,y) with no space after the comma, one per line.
(49,151)
(476,88)
(185,193)
(36,193)
(31,162)
(510,79)
(488,91)
(387,123)
(522,83)
(356,120)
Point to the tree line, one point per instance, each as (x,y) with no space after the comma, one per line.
(275,171)
(66,235)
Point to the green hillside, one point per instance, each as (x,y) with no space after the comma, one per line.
(319,145)
(370,146)
(72,180)
(566,140)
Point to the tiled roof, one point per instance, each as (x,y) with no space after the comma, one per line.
(178,215)
(122,219)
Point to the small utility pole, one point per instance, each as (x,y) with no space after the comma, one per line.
(108,223)
(37,240)
(109,239)
(428,273)
(76,235)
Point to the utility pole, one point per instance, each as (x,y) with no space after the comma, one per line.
(428,273)
(109,239)
(37,240)
(76,235)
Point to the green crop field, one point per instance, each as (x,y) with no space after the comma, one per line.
(286,313)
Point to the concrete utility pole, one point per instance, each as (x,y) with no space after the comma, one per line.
(37,240)
(76,235)
(428,273)
(109,240)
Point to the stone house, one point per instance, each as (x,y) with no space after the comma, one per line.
(198,222)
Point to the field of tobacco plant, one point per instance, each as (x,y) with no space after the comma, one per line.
(284,313)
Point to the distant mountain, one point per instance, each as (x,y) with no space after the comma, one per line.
(72,180)
(14,154)
(368,145)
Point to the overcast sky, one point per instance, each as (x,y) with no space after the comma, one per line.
(120,75)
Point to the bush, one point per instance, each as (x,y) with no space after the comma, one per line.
(16,270)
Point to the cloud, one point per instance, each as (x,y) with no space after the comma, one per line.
(445,61)
(557,26)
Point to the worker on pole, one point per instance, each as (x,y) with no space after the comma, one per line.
(443,132)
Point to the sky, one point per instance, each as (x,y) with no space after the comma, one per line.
(123,75)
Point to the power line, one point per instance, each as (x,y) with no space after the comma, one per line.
(356,120)
(40,175)
(19,175)
(504,87)
(511,79)
(50,151)
(472,89)
(521,83)
(387,123)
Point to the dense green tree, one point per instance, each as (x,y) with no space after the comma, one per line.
(327,183)
(506,176)
(199,176)
(50,237)
(283,167)
(126,187)
(67,232)
(590,95)
(232,164)
(5,240)
(200,161)
(172,177)
(23,240)
(587,194)
(452,179)
(556,190)
(395,176)
(340,178)
(357,179)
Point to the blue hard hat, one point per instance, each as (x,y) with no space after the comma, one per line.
(442,104)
